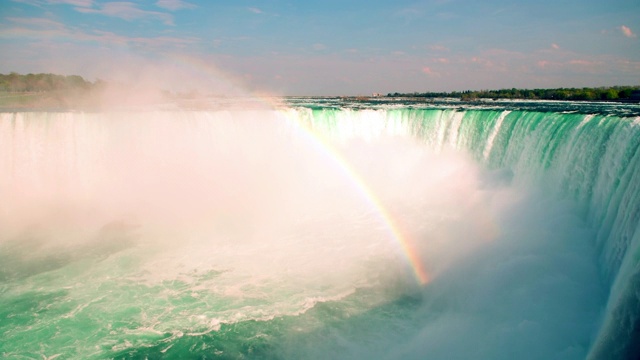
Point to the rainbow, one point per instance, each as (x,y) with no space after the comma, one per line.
(395,230)
(209,70)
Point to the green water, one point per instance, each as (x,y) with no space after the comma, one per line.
(236,235)
(88,303)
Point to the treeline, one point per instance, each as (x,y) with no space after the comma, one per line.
(60,92)
(14,82)
(589,94)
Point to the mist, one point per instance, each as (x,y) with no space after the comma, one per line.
(254,211)
(247,180)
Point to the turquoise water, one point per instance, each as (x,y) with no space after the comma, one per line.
(254,233)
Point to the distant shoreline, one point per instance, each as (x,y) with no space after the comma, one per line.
(613,93)
(59,92)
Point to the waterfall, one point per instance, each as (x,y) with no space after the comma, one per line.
(224,170)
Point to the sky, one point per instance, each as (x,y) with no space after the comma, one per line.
(330,47)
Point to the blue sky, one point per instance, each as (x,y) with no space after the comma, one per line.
(327,47)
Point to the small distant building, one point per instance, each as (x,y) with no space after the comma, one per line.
(376,95)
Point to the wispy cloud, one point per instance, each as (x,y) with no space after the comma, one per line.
(626,31)
(572,65)
(127,11)
(429,71)
(439,48)
(42,28)
(39,3)
(80,3)
(38,23)
(555,46)
(29,2)
(174,5)
(543,63)
(583,62)
(255,10)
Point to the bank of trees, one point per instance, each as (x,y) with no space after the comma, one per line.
(14,82)
(589,94)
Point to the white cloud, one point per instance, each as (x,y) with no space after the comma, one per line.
(429,71)
(128,11)
(255,10)
(543,63)
(80,3)
(439,48)
(174,5)
(555,46)
(583,62)
(39,3)
(626,31)
(39,23)
(41,28)
(28,2)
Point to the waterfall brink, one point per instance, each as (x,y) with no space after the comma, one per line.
(222,226)
(592,160)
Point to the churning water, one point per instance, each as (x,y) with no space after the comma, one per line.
(322,229)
